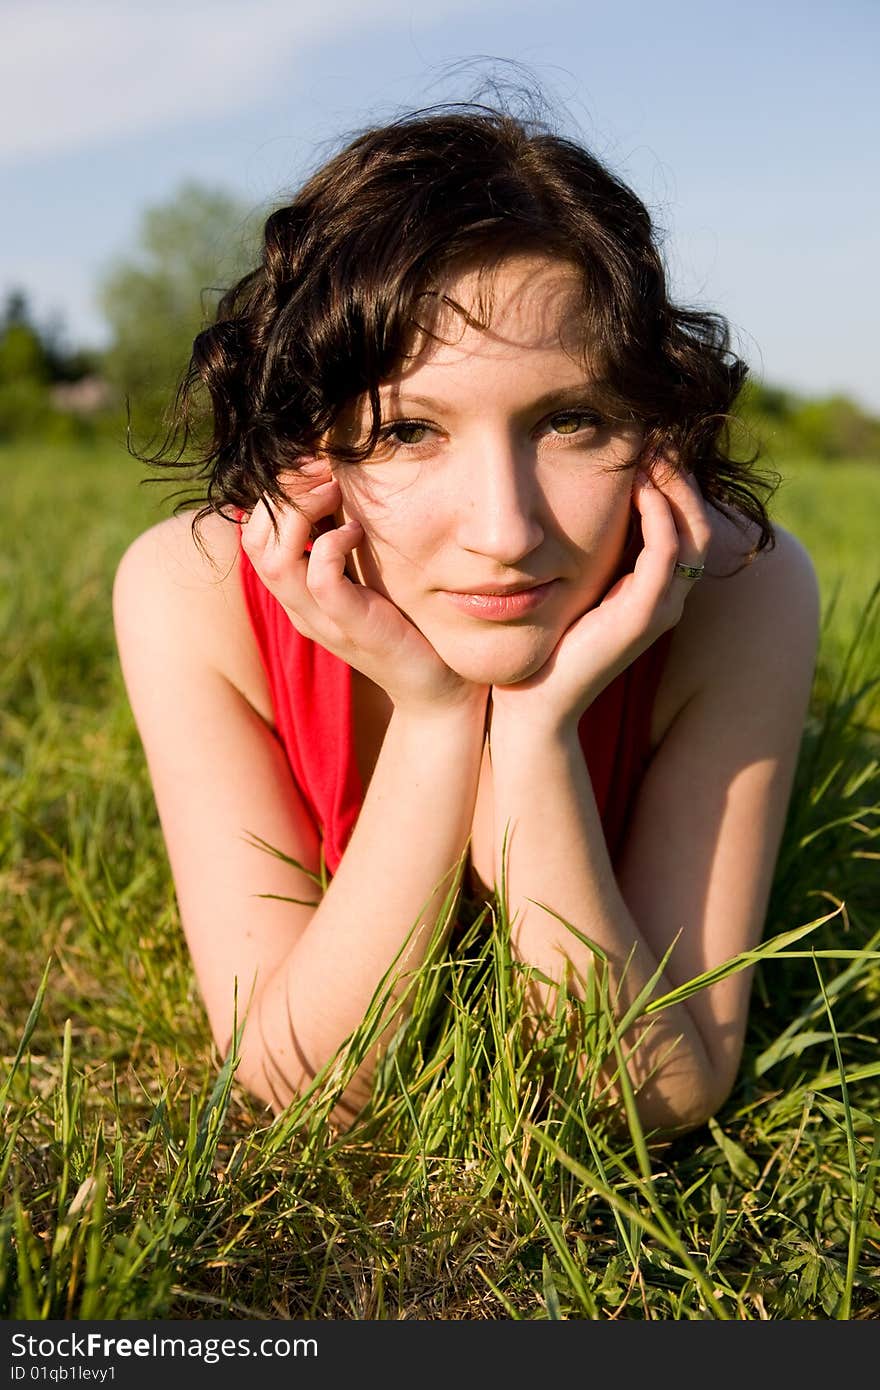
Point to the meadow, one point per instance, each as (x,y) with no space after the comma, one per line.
(140,1181)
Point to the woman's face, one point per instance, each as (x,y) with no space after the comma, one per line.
(494,475)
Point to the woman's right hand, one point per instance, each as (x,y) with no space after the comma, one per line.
(350,620)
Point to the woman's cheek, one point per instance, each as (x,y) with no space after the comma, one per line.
(401,534)
(601,541)
(378,561)
(363,559)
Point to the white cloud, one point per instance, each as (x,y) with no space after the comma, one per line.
(76,74)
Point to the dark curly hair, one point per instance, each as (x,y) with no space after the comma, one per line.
(330,311)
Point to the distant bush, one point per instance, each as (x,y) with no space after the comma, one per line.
(787,424)
(41,383)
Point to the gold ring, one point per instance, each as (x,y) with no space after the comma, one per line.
(689,571)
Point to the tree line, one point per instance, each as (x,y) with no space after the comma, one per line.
(156,299)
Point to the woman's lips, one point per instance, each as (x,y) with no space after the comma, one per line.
(501,607)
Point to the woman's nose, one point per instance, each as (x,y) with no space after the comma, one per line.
(499,513)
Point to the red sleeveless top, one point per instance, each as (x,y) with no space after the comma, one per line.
(312,699)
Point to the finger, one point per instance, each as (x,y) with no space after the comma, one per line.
(274,552)
(255,529)
(690,514)
(310,499)
(279,552)
(280,558)
(284,580)
(304,490)
(673,535)
(343,600)
(363,614)
(315,470)
(653,569)
(691,517)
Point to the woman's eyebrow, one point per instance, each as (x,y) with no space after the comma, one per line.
(562,396)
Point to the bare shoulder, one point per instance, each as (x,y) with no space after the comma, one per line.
(741,597)
(193,591)
(747,619)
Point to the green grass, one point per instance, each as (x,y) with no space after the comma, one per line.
(139,1180)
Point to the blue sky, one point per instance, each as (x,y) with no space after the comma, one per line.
(750,130)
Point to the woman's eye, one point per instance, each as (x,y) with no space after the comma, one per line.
(412,433)
(572,421)
(406,432)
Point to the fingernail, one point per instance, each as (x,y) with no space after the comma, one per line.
(322,489)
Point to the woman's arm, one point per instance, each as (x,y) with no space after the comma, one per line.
(220,777)
(702,842)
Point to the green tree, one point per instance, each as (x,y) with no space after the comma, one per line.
(22,352)
(788,425)
(836,428)
(189,250)
(25,370)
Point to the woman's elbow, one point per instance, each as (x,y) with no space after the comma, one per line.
(262,1080)
(679,1111)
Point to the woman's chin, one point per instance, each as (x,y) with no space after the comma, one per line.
(506,667)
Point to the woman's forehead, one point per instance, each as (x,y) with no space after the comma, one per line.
(527,304)
(525,298)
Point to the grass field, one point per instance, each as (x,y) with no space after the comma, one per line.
(137,1184)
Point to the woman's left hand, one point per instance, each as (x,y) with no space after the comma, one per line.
(635,611)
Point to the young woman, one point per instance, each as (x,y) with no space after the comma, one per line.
(476,574)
